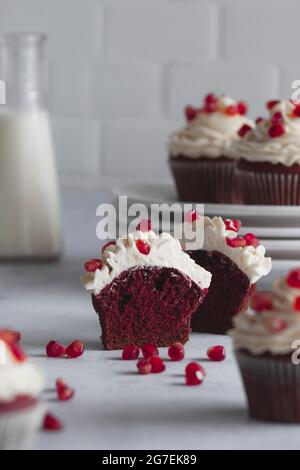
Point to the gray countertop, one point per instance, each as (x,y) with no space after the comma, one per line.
(114,408)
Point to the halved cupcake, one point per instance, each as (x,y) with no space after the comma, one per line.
(266,343)
(145,290)
(236,263)
(200,154)
(20,386)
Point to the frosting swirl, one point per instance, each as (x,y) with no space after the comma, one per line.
(164,250)
(17,378)
(251,260)
(258,146)
(209,134)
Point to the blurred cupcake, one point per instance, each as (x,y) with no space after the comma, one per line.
(269,165)
(266,342)
(20,385)
(200,154)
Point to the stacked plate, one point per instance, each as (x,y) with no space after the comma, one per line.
(278,227)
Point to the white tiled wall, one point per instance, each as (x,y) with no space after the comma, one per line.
(121,71)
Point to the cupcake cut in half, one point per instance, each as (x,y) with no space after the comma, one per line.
(269,165)
(145,290)
(236,264)
(266,343)
(201,159)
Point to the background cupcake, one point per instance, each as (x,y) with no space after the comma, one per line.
(200,154)
(270,157)
(266,352)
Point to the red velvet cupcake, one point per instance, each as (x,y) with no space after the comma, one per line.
(236,264)
(201,159)
(266,343)
(145,290)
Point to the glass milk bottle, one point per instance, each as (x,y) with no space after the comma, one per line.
(29,202)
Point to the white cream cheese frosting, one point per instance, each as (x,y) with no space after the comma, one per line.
(250,260)
(209,135)
(164,251)
(258,146)
(17,378)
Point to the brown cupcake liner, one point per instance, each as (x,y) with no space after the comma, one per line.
(270,188)
(272,386)
(206,180)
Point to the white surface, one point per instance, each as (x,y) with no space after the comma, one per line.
(113,407)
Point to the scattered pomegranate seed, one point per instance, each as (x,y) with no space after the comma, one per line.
(55,349)
(157,365)
(216,353)
(277,118)
(144,225)
(92,265)
(194,374)
(10,336)
(210,103)
(111,243)
(297,304)
(130,352)
(242,107)
(293,278)
(191,216)
(258,120)
(261,301)
(251,240)
(144,367)
(270,104)
(64,392)
(244,130)
(232,110)
(276,130)
(237,242)
(190,113)
(233,224)
(60,383)
(176,352)
(296,111)
(52,423)
(75,349)
(275,325)
(17,352)
(149,350)
(143,247)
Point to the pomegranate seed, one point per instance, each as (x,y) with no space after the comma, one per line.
(60,384)
(275,325)
(270,104)
(216,353)
(176,352)
(242,108)
(55,349)
(232,110)
(210,103)
(149,350)
(64,392)
(293,279)
(130,352)
(244,130)
(277,118)
(51,423)
(296,111)
(92,265)
(190,113)
(258,120)
(297,304)
(144,367)
(191,216)
(17,352)
(233,224)
(75,349)
(276,130)
(143,247)
(251,240)
(111,243)
(261,301)
(157,365)
(144,225)
(194,374)
(10,336)
(237,242)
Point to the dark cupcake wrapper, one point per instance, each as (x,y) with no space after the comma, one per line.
(270,188)
(206,180)
(272,386)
